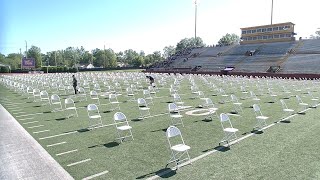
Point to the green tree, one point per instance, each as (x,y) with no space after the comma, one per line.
(317,35)
(14,60)
(189,43)
(168,51)
(111,58)
(129,56)
(99,58)
(229,39)
(35,52)
(137,61)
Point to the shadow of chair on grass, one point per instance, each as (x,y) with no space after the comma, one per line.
(218,148)
(107,145)
(162,173)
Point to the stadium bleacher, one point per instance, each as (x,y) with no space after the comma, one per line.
(293,57)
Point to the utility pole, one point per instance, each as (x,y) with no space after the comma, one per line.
(55,57)
(26,49)
(195,20)
(104,53)
(21,59)
(271,11)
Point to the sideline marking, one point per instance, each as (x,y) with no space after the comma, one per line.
(19,113)
(48,137)
(31,127)
(95,175)
(56,144)
(37,132)
(67,152)
(79,162)
(14,108)
(231,143)
(28,115)
(25,119)
(30,122)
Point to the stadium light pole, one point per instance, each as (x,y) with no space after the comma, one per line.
(26,49)
(271,11)
(195,19)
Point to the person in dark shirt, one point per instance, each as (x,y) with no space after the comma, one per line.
(74,83)
(151,79)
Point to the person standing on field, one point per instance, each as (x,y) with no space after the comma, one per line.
(74,83)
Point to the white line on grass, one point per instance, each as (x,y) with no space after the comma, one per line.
(31,127)
(57,135)
(67,152)
(14,108)
(37,132)
(11,105)
(215,150)
(28,115)
(56,144)
(30,122)
(25,119)
(19,112)
(79,162)
(95,175)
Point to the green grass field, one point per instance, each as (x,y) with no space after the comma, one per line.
(285,150)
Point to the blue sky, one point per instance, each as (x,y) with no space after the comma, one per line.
(147,25)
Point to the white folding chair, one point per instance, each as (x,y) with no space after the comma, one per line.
(147,96)
(272,95)
(69,105)
(122,125)
(301,103)
(253,96)
(211,107)
(174,114)
(56,103)
(179,150)
(44,97)
(143,108)
(261,119)
(130,94)
(94,96)
(36,95)
(224,95)
(82,94)
(113,101)
(228,129)
(236,104)
(315,100)
(94,116)
(177,100)
(96,87)
(29,92)
(285,108)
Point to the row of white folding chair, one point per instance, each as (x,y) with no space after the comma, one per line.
(120,120)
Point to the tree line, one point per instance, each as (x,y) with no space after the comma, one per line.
(104,58)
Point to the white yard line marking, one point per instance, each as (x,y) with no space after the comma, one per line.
(14,108)
(25,119)
(95,175)
(67,152)
(31,127)
(19,112)
(28,115)
(30,122)
(11,105)
(213,151)
(48,137)
(56,144)
(37,132)
(79,162)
